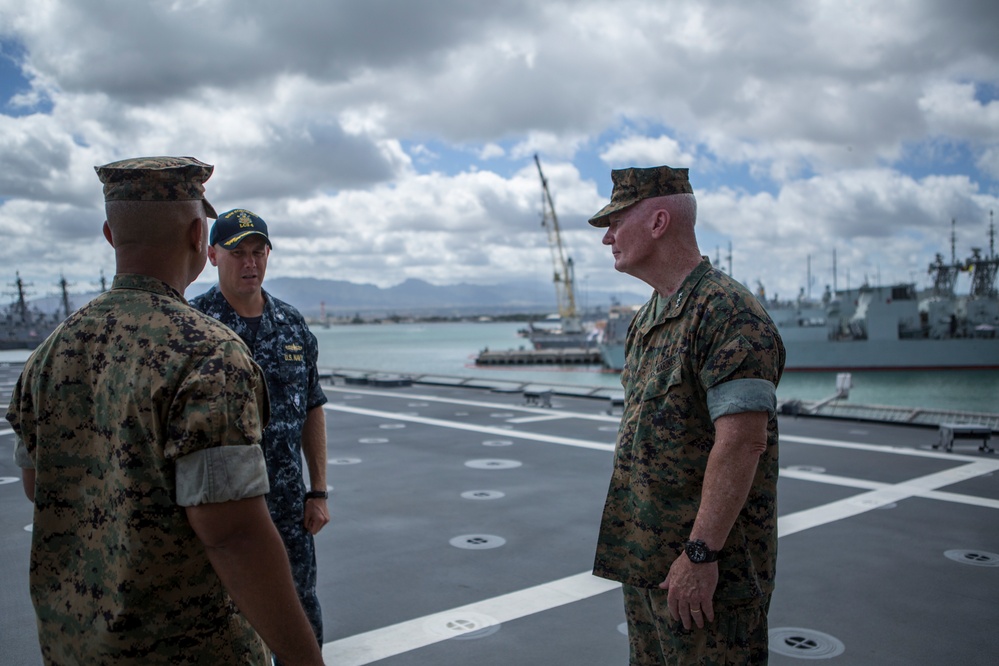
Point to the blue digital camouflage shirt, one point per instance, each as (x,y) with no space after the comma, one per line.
(288,353)
(708,350)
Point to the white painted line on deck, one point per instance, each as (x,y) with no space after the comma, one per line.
(848,482)
(457,425)
(474,403)
(873,499)
(414,634)
(536,419)
(878,448)
(6,431)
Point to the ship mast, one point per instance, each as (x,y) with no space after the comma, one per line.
(65,295)
(22,306)
(564,277)
(945,275)
(984,269)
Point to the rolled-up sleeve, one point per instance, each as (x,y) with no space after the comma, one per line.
(21,456)
(742,395)
(221,474)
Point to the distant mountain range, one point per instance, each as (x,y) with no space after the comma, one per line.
(412,297)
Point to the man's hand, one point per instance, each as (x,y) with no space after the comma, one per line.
(316,515)
(690,589)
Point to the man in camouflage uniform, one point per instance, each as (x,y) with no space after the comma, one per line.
(138,428)
(287,351)
(690,523)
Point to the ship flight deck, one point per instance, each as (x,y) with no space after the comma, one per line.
(464,522)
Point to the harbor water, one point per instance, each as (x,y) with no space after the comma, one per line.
(450,348)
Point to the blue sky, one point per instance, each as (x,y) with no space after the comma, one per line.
(391,140)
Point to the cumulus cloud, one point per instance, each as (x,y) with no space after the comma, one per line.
(389,140)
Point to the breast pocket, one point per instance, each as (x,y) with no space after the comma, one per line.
(665,399)
(289,389)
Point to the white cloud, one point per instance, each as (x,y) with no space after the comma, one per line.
(388,140)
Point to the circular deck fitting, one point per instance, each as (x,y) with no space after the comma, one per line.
(477,541)
(29,527)
(372,440)
(466,626)
(493,463)
(623,628)
(8,479)
(343,461)
(978,558)
(392,426)
(804,643)
(497,442)
(814,469)
(482,494)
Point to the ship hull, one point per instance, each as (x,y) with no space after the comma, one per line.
(954,354)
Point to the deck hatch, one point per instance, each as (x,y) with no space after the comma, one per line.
(978,558)
(805,643)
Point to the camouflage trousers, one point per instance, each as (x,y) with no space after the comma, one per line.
(737,637)
(301,548)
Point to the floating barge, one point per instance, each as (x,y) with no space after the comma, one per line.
(552,356)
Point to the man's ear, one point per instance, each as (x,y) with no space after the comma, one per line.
(107,233)
(196,234)
(212,257)
(660,223)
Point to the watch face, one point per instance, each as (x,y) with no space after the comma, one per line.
(696,552)
(699,553)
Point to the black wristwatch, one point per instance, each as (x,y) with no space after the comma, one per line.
(317,494)
(699,553)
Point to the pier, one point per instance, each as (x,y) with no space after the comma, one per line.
(555,356)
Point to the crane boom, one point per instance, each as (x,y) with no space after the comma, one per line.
(564,278)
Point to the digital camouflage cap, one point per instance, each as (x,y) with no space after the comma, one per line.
(156,179)
(633,185)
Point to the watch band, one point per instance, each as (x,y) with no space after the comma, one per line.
(317,494)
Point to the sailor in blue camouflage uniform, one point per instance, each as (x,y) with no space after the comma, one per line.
(287,351)
(690,522)
(138,427)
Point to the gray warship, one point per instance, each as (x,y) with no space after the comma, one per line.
(23,326)
(893,327)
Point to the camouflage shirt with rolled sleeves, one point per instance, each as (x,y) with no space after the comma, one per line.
(135,406)
(288,353)
(708,350)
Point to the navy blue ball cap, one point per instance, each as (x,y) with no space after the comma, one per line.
(234,226)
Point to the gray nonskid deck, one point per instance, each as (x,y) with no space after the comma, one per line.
(464,524)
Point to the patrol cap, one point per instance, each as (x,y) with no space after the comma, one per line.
(633,185)
(232,228)
(156,179)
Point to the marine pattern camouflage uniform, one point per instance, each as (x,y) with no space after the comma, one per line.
(710,332)
(126,386)
(288,353)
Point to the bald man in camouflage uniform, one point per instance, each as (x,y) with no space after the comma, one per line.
(287,351)
(138,428)
(690,522)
